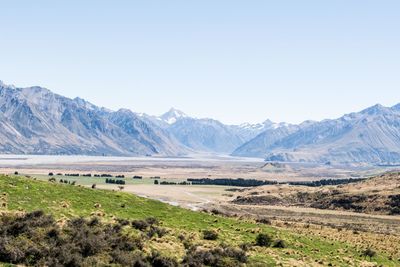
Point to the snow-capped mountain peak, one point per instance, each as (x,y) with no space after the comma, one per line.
(173,115)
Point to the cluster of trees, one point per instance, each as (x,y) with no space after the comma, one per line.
(67,182)
(103,175)
(230,182)
(115,181)
(325,182)
(90,175)
(95,175)
(53,180)
(171,183)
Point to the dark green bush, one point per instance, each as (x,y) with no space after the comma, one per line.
(210,235)
(158,260)
(140,225)
(156,231)
(279,243)
(217,257)
(263,240)
(264,221)
(152,221)
(369,253)
(245,246)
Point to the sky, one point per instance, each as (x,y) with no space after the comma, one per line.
(236,61)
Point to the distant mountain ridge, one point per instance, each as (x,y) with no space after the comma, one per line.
(369,136)
(34,120)
(205,134)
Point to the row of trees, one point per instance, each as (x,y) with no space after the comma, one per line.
(67,182)
(171,183)
(230,182)
(115,181)
(253,182)
(53,180)
(325,182)
(222,181)
(90,175)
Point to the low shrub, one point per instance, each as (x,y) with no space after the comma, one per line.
(264,221)
(210,235)
(263,240)
(369,253)
(279,243)
(152,221)
(156,231)
(218,257)
(140,225)
(157,260)
(245,246)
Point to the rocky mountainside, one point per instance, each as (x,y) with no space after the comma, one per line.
(36,121)
(370,136)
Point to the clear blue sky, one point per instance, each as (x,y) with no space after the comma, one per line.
(232,60)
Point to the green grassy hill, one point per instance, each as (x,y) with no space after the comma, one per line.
(65,202)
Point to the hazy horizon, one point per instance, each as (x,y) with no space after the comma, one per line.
(227,60)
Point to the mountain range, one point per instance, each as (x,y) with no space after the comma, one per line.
(35,120)
(206,135)
(371,136)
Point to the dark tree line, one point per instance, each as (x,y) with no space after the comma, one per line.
(230,182)
(325,182)
(253,182)
(115,181)
(171,183)
(103,175)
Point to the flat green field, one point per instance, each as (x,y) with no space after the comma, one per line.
(82,180)
(66,201)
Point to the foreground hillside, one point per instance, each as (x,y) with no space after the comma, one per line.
(173,236)
(377,195)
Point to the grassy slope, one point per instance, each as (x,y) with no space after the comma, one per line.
(65,201)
